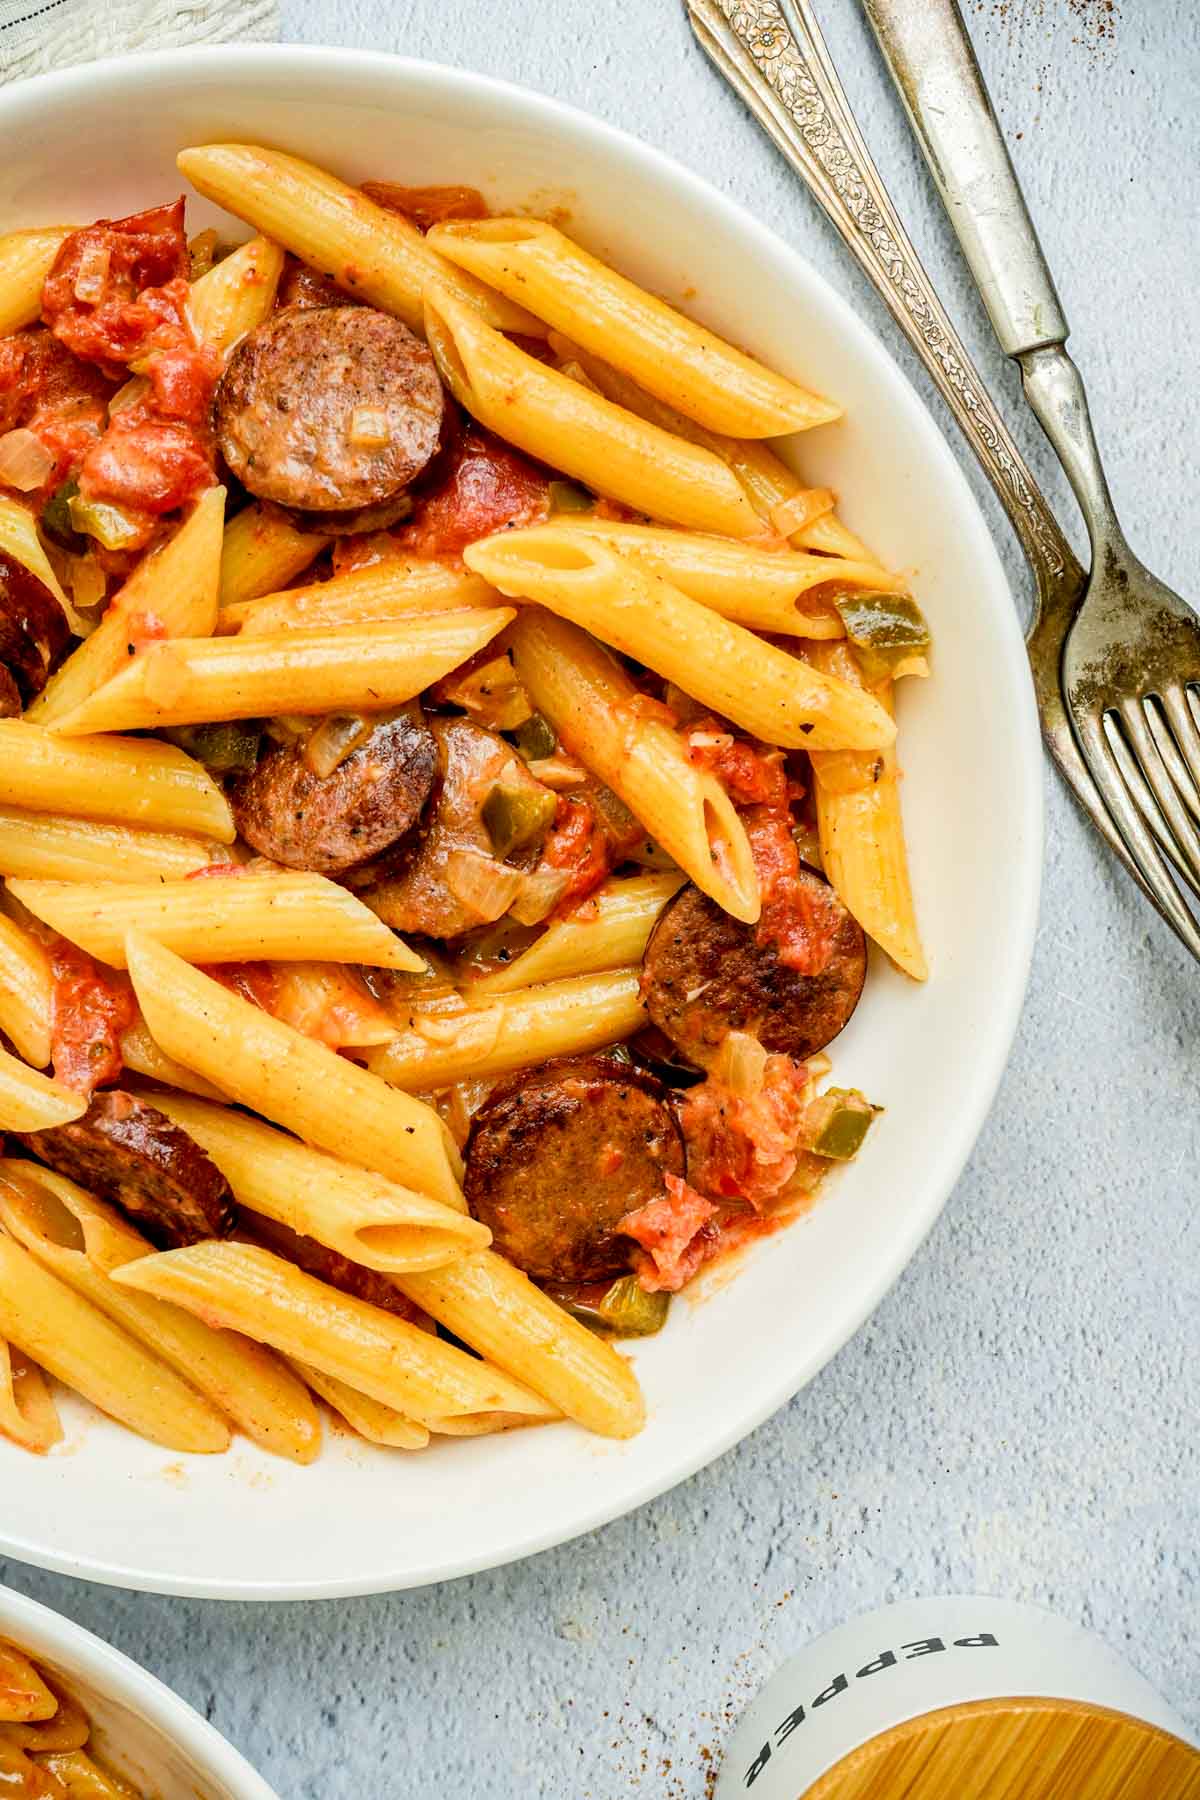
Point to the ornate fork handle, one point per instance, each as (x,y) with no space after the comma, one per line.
(806,113)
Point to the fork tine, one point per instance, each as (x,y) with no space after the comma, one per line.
(1182,718)
(1185,849)
(1169,751)
(1140,791)
(1136,833)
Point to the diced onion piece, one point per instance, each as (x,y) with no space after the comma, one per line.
(334,739)
(800,510)
(92,278)
(540,892)
(134,390)
(558,772)
(369,428)
(25,462)
(740,1065)
(481,884)
(491,693)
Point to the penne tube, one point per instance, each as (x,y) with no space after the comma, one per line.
(32,1102)
(131,781)
(767,480)
(26,258)
(24,1696)
(53,847)
(609,931)
(241,917)
(291,1079)
(669,355)
(82,1779)
(355,1212)
(140,1053)
(29,1417)
(372,1420)
(768,693)
(171,593)
(371,252)
(80,1345)
(262,550)
(26,993)
(496,1309)
(236,294)
(19,539)
(594,709)
(81,1241)
(555,419)
(393,588)
(200,680)
(511,1031)
(763,589)
(861,833)
(249,1289)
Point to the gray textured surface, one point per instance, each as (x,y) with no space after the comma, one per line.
(1020,1415)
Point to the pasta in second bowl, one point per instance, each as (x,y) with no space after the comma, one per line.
(648,636)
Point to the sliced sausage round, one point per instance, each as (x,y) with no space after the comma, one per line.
(327,823)
(127,1152)
(329,408)
(560,1154)
(34,633)
(705,975)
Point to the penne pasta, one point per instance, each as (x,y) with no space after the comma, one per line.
(26,993)
(262,550)
(374,254)
(609,931)
(81,1241)
(82,1779)
(862,841)
(669,355)
(553,418)
(140,1053)
(19,540)
(594,709)
(357,1213)
(236,294)
(80,1345)
(511,1031)
(200,680)
(765,477)
(763,589)
(496,1309)
(372,1420)
(291,1079)
(32,1102)
(53,847)
(242,917)
(131,781)
(393,588)
(29,1417)
(26,258)
(171,593)
(760,687)
(24,1696)
(245,1288)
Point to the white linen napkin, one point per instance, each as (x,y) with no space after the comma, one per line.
(36,35)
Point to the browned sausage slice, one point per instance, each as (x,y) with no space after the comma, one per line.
(329,823)
(705,975)
(329,408)
(33,629)
(560,1154)
(127,1152)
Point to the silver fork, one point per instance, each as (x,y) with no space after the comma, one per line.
(779,64)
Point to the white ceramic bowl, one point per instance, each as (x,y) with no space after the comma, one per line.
(101,141)
(140,1729)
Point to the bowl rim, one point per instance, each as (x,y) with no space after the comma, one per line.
(949,1155)
(50,1636)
